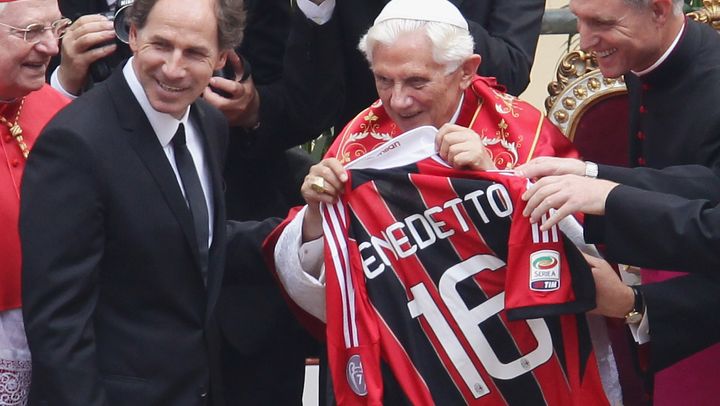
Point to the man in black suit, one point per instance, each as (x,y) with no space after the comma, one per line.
(665,219)
(283,48)
(123,223)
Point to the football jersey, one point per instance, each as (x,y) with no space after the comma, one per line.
(436,274)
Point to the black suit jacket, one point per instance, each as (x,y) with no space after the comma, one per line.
(505,33)
(670,121)
(115,307)
(668,219)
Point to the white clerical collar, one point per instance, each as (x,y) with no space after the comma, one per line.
(163,124)
(664,56)
(459,107)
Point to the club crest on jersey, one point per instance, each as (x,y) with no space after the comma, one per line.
(355,376)
(545,271)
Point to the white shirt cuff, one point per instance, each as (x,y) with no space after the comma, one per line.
(55,83)
(641,331)
(319,14)
(304,289)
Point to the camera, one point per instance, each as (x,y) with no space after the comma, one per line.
(228,72)
(102,68)
(119,18)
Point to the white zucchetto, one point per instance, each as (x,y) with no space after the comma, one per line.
(441,11)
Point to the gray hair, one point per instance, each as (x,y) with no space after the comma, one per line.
(451,45)
(677,5)
(230,15)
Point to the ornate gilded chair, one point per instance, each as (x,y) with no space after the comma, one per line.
(708,14)
(591,110)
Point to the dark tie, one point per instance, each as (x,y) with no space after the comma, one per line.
(194,195)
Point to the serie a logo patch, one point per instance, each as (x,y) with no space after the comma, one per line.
(545,271)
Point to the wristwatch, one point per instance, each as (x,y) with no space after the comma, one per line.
(635,315)
(591,169)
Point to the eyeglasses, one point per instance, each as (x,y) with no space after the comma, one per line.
(33,33)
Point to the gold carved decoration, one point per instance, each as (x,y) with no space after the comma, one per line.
(708,14)
(578,84)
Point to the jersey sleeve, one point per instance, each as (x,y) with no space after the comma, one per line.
(546,274)
(353,337)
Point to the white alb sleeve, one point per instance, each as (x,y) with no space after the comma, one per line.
(306,290)
(55,83)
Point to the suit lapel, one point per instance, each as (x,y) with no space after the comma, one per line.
(143,140)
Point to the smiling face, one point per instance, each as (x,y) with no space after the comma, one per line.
(414,89)
(176,52)
(622,36)
(23,65)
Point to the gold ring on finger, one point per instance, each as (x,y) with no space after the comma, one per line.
(318,185)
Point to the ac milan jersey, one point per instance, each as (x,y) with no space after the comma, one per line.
(436,273)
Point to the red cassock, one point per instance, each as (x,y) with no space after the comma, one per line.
(38,108)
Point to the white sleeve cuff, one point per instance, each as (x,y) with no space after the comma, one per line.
(55,83)
(319,14)
(304,289)
(641,331)
(312,259)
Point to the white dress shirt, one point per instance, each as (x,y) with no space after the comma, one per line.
(319,14)
(165,126)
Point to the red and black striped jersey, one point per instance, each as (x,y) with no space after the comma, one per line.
(434,275)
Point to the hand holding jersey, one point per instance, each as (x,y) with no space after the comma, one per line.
(332,177)
(612,296)
(551,166)
(565,186)
(463,148)
(459,146)
(561,186)
(567,194)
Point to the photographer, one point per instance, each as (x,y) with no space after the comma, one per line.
(91,49)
